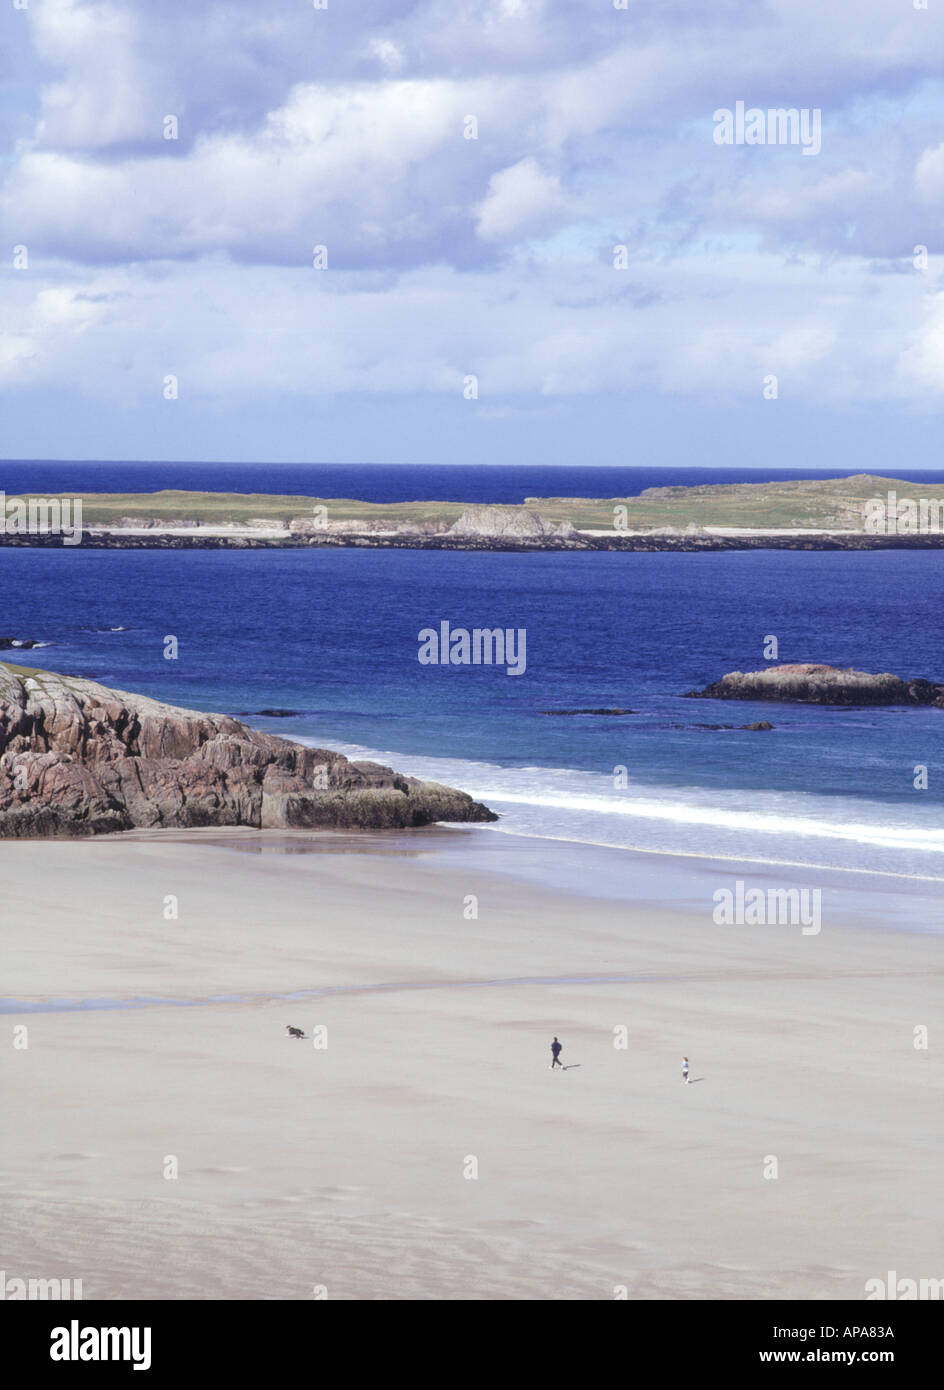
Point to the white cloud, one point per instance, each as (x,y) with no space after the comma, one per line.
(271,331)
(522,201)
(929,175)
(921,364)
(493,254)
(387,53)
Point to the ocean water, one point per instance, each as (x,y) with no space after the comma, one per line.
(390,482)
(333,634)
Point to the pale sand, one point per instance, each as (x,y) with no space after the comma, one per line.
(678,531)
(343,1167)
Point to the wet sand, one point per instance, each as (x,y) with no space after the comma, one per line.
(425,1150)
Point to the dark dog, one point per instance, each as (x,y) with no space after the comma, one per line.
(294,1032)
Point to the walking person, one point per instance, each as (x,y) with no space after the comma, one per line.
(555,1053)
(685,1071)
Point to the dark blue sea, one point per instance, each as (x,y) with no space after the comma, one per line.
(334,635)
(390,482)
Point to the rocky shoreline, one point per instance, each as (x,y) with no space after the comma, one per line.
(78,759)
(577,541)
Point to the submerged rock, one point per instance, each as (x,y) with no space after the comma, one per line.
(762,724)
(808,683)
(588,711)
(79,759)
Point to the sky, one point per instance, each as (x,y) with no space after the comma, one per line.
(471,231)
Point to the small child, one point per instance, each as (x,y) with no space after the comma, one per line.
(685,1071)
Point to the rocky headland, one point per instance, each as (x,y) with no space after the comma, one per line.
(812,684)
(77,758)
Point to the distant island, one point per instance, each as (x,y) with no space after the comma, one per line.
(863,512)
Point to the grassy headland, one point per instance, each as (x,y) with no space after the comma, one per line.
(709,513)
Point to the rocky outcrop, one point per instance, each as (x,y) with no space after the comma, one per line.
(754,728)
(807,683)
(22,642)
(588,711)
(514,522)
(79,759)
(507,523)
(270,713)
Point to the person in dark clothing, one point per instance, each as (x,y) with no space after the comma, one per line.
(555,1053)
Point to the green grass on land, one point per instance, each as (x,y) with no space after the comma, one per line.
(832,503)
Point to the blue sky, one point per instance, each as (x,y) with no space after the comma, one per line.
(450,257)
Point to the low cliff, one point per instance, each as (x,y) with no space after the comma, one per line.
(506,523)
(79,759)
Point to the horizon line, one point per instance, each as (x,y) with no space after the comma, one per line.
(331,463)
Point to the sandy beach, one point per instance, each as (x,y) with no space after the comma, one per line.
(347,1170)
